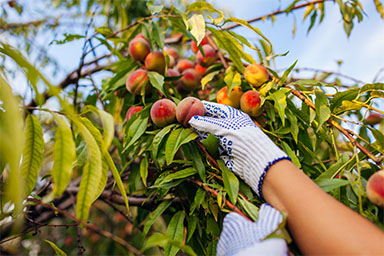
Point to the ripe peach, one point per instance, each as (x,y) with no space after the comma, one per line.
(210,56)
(173,73)
(155,61)
(375,188)
(187,108)
(200,69)
(163,112)
(233,99)
(142,37)
(373,118)
(171,62)
(250,103)
(139,49)
(132,110)
(172,52)
(136,80)
(184,64)
(256,74)
(190,79)
(194,44)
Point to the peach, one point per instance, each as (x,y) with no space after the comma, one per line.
(200,69)
(139,49)
(256,74)
(210,56)
(375,188)
(142,37)
(173,73)
(163,112)
(136,80)
(155,61)
(171,62)
(172,52)
(373,118)
(233,99)
(184,64)
(194,44)
(250,103)
(132,110)
(187,108)
(190,79)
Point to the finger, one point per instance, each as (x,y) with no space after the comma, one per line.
(206,124)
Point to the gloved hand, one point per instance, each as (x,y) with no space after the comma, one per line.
(242,237)
(245,149)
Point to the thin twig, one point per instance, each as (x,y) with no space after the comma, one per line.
(215,193)
(92,227)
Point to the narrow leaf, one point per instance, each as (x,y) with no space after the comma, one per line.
(175,231)
(155,214)
(64,155)
(159,138)
(231,183)
(11,143)
(322,110)
(144,170)
(175,140)
(196,25)
(156,81)
(57,250)
(33,153)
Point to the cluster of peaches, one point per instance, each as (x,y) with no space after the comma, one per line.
(187,76)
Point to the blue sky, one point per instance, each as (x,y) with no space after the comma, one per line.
(362,53)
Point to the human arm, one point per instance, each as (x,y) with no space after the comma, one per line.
(319,223)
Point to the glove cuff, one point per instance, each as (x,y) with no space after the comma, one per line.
(259,191)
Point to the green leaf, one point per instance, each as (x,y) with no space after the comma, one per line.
(159,138)
(199,198)
(335,168)
(246,24)
(144,170)
(372,87)
(379,138)
(64,155)
(156,81)
(196,24)
(286,73)
(198,162)
(280,99)
(331,184)
(157,35)
(97,136)
(201,6)
(179,175)
(107,121)
(232,78)
(136,130)
(157,239)
(231,183)
(339,97)
(154,8)
(175,140)
(207,78)
(175,231)
(287,149)
(57,250)
(155,214)
(92,171)
(250,208)
(11,143)
(323,112)
(33,153)
(192,224)
(68,38)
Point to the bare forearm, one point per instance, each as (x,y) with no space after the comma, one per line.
(319,223)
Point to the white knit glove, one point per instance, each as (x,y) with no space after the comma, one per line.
(242,237)
(245,149)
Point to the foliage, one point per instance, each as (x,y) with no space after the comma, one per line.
(150,189)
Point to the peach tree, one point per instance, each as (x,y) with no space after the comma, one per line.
(115,169)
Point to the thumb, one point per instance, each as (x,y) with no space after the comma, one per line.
(207,124)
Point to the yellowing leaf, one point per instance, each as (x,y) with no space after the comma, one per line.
(197,26)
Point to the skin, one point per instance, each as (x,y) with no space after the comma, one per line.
(319,224)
